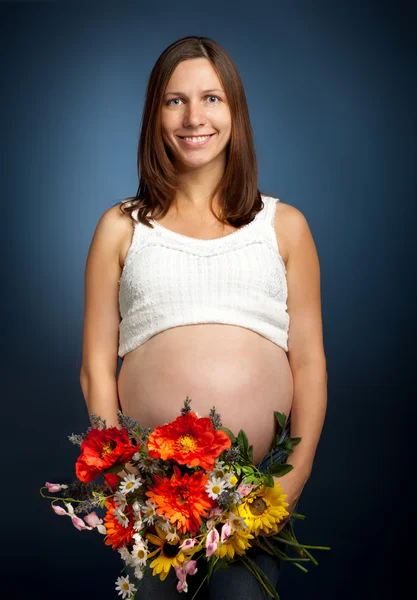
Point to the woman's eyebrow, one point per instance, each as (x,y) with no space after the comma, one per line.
(203,92)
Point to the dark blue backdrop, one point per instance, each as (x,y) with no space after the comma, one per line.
(331,88)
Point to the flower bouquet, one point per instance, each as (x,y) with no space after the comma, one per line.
(183,495)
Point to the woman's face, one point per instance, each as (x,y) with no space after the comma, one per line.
(195,105)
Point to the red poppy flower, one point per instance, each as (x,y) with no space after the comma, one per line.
(112,479)
(101,449)
(117,534)
(182,499)
(188,440)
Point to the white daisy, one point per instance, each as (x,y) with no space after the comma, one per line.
(138,572)
(172,535)
(126,556)
(121,517)
(236,522)
(138,524)
(230,479)
(140,553)
(130,483)
(120,500)
(163,524)
(149,464)
(219,470)
(214,487)
(126,588)
(149,512)
(136,507)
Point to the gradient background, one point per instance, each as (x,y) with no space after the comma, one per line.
(331,88)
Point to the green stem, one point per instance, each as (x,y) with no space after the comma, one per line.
(260,576)
(65,499)
(205,579)
(254,573)
(298,545)
(283,555)
(261,545)
(199,587)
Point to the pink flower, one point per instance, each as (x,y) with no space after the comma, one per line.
(79,523)
(214,512)
(212,541)
(226,530)
(189,567)
(55,487)
(76,521)
(245,488)
(187,544)
(59,510)
(93,519)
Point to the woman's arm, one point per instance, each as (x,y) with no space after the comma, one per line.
(100,395)
(305,344)
(98,376)
(308,414)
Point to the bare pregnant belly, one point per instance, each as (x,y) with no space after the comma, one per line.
(244,375)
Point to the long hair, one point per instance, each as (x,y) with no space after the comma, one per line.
(239,197)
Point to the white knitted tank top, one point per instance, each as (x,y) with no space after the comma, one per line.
(170,279)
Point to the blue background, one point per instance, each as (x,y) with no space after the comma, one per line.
(331,88)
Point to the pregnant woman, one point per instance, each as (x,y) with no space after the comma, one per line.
(205,287)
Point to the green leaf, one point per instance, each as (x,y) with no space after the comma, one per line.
(285,446)
(247,470)
(281,418)
(289,443)
(229,433)
(211,564)
(252,479)
(221,565)
(268,480)
(275,443)
(250,453)
(243,442)
(278,470)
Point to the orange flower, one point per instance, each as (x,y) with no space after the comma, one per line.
(117,534)
(182,500)
(189,441)
(101,449)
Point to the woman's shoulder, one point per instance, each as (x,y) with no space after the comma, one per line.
(114,221)
(289,217)
(113,229)
(290,223)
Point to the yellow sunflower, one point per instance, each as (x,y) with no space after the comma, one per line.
(170,555)
(264,508)
(237,542)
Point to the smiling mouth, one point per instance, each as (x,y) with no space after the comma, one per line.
(195,137)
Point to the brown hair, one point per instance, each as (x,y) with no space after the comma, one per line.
(240,197)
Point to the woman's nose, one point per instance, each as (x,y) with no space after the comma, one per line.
(194,114)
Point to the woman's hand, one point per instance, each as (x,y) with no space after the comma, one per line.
(292,484)
(128,469)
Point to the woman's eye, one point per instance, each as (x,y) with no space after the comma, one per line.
(174,99)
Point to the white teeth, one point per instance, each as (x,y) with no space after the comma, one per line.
(196,139)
